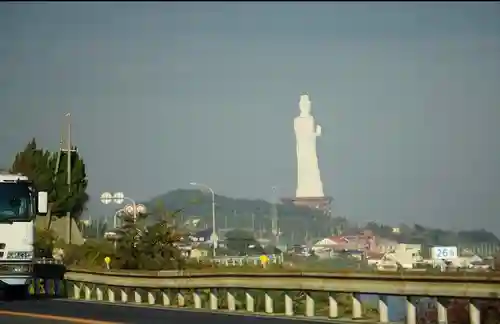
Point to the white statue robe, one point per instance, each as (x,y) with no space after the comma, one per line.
(308,176)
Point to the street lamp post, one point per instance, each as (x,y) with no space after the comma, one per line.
(214,234)
(274,218)
(119,198)
(115,217)
(115,225)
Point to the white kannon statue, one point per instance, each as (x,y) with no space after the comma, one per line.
(308,176)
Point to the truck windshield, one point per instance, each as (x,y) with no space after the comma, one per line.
(15,202)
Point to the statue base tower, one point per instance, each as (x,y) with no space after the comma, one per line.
(321,203)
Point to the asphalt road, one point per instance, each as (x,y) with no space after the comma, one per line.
(67,311)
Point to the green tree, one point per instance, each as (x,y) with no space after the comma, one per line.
(64,200)
(48,173)
(153,247)
(35,164)
(242,242)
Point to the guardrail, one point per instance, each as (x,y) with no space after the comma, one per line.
(47,261)
(234,261)
(330,295)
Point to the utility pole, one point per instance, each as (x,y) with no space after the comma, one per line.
(234,219)
(66,147)
(69,152)
(214,238)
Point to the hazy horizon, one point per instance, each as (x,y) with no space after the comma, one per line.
(163,94)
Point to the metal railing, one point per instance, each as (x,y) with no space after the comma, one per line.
(47,261)
(235,261)
(334,295)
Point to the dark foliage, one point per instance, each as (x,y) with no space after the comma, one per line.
(298,224)
(42,167)
(240,242)
(152,247)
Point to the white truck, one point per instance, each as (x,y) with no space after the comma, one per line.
(19,204)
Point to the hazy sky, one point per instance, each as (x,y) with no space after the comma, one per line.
(162,94)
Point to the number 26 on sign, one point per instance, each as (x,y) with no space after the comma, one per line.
(445,252)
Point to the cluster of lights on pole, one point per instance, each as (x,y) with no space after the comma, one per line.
(119,198)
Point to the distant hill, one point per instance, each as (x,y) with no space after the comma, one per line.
(298,224)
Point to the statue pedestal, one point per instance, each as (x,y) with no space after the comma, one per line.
(321,203)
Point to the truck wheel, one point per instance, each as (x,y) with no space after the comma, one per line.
(17,292)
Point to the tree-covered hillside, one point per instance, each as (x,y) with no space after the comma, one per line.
(419,234)
(298,224)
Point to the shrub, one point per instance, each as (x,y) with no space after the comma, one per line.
(138,247)
(44,243)
(89,255)
(148,247)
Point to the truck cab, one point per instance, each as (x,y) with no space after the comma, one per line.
(19,205)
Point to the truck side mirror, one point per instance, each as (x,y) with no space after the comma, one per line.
(43,202)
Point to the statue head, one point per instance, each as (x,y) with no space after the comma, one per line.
(305,105)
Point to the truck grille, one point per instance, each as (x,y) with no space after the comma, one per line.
(18,269)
